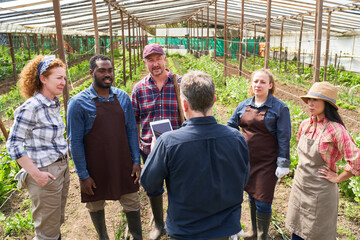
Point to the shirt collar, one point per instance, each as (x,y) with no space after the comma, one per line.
(268,103)
(93,93)
(169,78)
(314,120)
(199,120)
(44,100)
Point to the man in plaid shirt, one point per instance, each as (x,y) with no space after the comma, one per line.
(154,98)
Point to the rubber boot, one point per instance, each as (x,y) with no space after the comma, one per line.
(157,209)
(252,233)
(98,219)
(134,224)
(262,222)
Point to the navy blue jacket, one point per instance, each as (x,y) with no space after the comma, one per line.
(206,167)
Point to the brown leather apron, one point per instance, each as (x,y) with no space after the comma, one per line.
(263,151)
(107,154)
(313,204)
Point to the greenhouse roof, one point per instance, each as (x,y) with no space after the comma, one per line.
(37,16)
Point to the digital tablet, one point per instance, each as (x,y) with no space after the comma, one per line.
(159,127)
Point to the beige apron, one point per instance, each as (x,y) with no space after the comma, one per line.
(313,204)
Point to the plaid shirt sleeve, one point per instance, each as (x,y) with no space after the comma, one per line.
(336,143)
(25,121)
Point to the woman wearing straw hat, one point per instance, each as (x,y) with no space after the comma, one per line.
(37,142)
(322,141)
(265,123)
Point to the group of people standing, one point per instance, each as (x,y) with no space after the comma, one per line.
(206,165)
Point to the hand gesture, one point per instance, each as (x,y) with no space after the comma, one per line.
(328,174)
(87,185)
(136,170)
(42,178)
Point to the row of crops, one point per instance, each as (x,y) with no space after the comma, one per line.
(18,223)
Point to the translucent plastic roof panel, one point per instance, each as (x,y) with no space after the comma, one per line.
(77,14)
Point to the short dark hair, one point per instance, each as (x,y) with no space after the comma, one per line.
(198,89)
(94,58)
(332,113)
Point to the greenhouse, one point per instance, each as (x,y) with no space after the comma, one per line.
(300,42)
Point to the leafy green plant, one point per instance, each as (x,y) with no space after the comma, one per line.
(20,224)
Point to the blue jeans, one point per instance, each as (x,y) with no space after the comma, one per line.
(261,207)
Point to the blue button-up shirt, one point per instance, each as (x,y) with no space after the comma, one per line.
(206,167)
(277,121)
(80,119)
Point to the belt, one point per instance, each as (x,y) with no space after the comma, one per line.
(64,157)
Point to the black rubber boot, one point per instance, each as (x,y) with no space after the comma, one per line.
(98,219)
(157,209)
(252,233)
(134,224)
(262,222)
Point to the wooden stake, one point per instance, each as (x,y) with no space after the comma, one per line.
(97,42)
(177,91)
(12,53)
(268,26)
(241,36)
(299,50)
(123,46)
(281,41)
(129,33)
(318,41)
(59,34)
(327,46)
(3,129)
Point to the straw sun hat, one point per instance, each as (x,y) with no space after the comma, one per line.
(324,91)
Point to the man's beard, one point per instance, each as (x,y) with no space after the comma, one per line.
(101,84)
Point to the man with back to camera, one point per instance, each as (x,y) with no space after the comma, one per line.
(104,146)
(205,166)
(154,98)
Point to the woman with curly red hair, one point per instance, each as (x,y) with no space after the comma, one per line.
(37,143)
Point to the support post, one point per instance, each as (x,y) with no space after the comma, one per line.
(225,45)
(202,32)
(268,26)
(300,40)
(318,40)
(111,38)
(134,41)
(207,36)
(123,45)
(12,53)
(327,45)
(255,43)
(215,30)
(129,33)
(281,41)
(241,36)
(42,44)
(36,47)
(59,34)
(28,45)
(97,43)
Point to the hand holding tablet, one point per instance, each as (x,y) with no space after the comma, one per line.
(159,127)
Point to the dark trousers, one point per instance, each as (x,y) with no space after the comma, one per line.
(143,156)
(296,237)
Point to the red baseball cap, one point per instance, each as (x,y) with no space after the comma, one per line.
(152,48)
